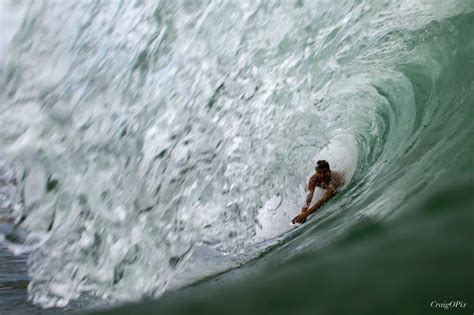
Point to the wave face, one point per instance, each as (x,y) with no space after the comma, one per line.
(135,132)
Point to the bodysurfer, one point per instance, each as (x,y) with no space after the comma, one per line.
(325,179)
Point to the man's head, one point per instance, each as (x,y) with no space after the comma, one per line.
(322,170)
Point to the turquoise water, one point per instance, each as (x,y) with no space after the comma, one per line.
(159,145)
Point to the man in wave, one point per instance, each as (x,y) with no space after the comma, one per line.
(325,179)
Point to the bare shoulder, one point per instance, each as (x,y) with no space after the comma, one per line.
(312,182)
(338,179)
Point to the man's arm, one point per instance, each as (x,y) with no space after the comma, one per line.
(309,196)
(301,218)
(327,195)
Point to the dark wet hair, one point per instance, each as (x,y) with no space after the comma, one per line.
(322,165)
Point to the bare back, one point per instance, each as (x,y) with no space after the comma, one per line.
(337,181)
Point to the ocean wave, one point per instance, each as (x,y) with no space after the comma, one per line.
(141,132)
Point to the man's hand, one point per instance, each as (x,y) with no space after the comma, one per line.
(300,218)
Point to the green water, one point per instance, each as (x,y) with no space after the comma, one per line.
(420,255)
(395,267)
